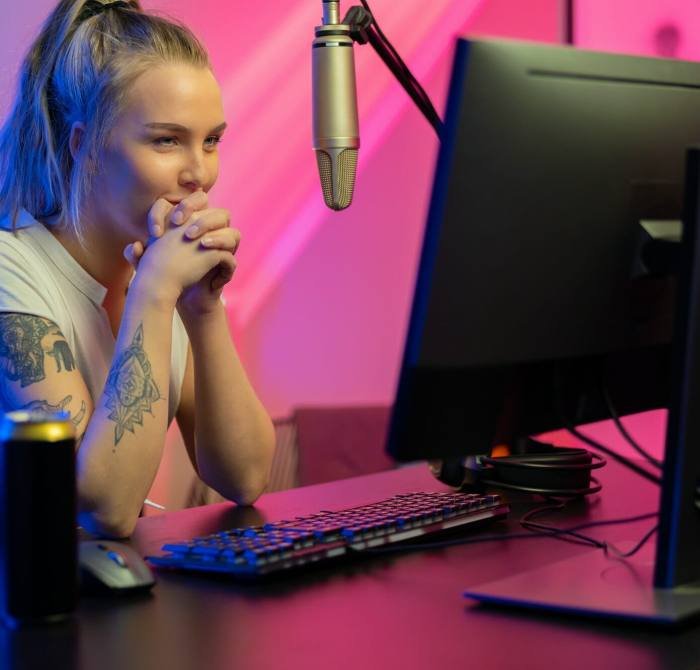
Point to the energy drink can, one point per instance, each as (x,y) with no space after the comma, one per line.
(38,553)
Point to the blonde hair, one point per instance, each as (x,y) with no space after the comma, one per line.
(79,68)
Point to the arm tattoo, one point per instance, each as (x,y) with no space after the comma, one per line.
(25,341)
(62,353)
(130,388)
(44,406)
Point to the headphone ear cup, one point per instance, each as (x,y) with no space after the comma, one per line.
(464,474)
(450,472)
(561,469)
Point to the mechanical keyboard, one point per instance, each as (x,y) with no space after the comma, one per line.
(283,545)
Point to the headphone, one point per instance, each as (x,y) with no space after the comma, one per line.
(552,471)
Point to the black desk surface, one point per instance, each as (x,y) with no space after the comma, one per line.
(393,611)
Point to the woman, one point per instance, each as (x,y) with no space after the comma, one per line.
(107,157)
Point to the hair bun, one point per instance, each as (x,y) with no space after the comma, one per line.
(94,7)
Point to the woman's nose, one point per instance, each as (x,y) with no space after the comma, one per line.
(193,174)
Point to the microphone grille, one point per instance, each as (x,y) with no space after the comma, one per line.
(337,171)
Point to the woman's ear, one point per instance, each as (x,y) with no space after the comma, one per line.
(77,133)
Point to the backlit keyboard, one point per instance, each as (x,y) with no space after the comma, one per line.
(327,535)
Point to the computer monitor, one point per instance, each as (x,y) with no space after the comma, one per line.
(545,276)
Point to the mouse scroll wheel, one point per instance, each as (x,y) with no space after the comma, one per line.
(117,558)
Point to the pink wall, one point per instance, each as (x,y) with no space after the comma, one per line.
(330,330)
(15,35)
(648,27)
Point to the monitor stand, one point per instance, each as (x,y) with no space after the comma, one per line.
(594,585)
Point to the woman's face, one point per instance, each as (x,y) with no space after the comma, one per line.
(164,145)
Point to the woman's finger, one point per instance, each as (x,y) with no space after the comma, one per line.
(183,211)
(156,217)
(129,253)
(133,253)
(227,239)
(224,275)
(208,220)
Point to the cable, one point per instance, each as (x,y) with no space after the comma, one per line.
(623,431)
(566,534)
(613,522)
(549,531)
(634,549)
(558,383)
(595,487)
(608,548)
(572,535)
(414,92)
(395,54)
(613,454)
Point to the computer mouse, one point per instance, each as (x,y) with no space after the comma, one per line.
(108,567)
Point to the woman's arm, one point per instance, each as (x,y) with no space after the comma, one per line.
(122,446)
(233,435)
(116,477)
(228,434)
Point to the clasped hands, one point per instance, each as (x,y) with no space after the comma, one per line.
(209,228)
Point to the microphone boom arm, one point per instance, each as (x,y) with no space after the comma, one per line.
(364,29)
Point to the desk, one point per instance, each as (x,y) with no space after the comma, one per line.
(393,611)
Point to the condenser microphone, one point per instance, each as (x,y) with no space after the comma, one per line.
(336,134)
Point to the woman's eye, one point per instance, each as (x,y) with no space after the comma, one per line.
(213,140)
(165,141)
(169,142)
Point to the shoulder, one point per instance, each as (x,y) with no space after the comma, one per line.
(14,241)
(25,284)
(19,245)
(20,259)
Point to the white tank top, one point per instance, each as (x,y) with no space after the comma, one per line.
(38,276)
